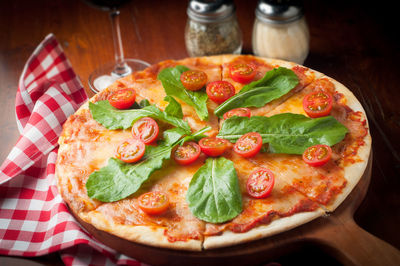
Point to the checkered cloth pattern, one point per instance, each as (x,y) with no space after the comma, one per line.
(34,220)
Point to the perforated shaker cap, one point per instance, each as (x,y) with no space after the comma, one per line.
(279,11)
(210,10)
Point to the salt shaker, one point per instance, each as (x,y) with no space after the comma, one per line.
(212,28)
(280,31)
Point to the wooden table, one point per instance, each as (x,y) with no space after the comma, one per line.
(353,43)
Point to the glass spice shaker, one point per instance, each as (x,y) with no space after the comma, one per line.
(212,28)
(280,31)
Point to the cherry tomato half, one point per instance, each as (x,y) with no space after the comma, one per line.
(317,104)
(130,150)
(242,111)
(317,155)
(242,73)
(248,145)
(145,129)
(213,146)
(187,153)
(260,183)
(154,202)
(220,91)
(193,80)
(122,99)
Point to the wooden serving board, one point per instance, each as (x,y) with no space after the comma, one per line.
(336,233)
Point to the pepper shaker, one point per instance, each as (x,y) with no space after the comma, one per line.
(212,28)
(280,31)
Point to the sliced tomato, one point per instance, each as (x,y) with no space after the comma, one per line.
(145,129)
(123,98)
(187,153)
(194,80)
(260,183)
(248,145)
(317,104)
(242,111)
(242,73)
(317,155)
(213,146)
(220,91)
(130,150)
(154,202)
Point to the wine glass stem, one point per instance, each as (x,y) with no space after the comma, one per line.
(121,68)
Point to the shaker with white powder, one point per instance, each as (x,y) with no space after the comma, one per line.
(280,31)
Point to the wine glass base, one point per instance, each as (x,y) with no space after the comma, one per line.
(104,76)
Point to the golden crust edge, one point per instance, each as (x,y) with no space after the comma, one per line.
(229,238)
(354,172)
(142,234)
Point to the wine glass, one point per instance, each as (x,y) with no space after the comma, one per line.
(106,74)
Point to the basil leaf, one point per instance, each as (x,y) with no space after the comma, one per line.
(273,85)
(113,118)
(286,133)
(214,195)
(170,79)
(118,180)
(173,108)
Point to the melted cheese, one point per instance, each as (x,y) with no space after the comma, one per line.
(320,184)
(283,201)
(178,221)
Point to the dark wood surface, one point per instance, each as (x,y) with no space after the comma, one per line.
(353,42)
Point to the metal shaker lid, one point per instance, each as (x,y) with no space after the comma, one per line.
(210,10)
(279,11)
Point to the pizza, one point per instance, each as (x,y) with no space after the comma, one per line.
(209,152)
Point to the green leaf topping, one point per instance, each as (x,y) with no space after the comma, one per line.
(118,180)
(113,118)
(170,79)
(214,195)
(273,85)
(173,108)
(286,133)
(144,103)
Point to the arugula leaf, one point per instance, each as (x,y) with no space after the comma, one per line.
(170,79)
(195,136)
(171,136)
(173,108)
(113,118)
(273,85)
(214,194)
(286,133)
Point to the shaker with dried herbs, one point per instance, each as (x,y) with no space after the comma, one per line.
(212,28)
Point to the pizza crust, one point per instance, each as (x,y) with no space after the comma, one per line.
(352,172)
(229,238)
(147,235)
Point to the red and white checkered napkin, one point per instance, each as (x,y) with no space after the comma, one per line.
(34,220)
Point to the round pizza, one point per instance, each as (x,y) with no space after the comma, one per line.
(214,151)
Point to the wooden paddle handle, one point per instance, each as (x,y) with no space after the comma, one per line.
(354,246)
